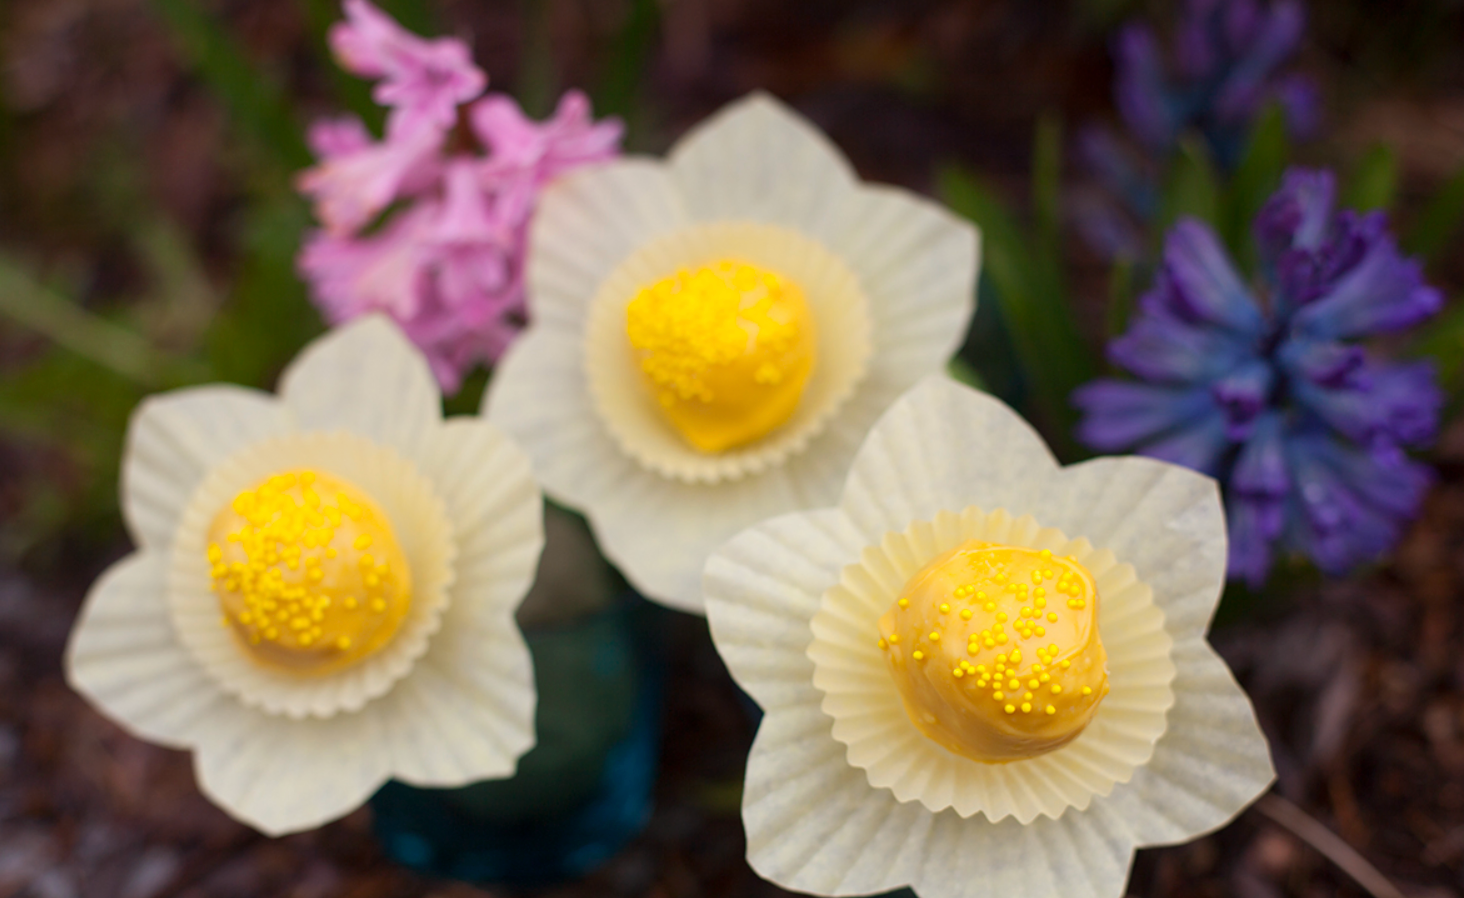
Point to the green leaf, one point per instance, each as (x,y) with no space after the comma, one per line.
(618,91)
(1193,188)
(1255,179)
(267,318)
(257,105)
(1122,285)
(1439,221)
(1047,182)
(1443,340)
(961,370)
(112,346)
(1030,292)
(1374,182)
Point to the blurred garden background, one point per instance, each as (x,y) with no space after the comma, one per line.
(149,231)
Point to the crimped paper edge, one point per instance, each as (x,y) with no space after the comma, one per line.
(623,402)
(1091,765)
(419,520)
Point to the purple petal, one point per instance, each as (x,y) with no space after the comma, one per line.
(1139,87)
(1276,40)
(1119,415)
(1384,404)
(1297,215)
(1349,508)
(1243,394)
(1323,362)
(1117,170)
(1197,446)
(1301,101)
(1169,351)
(1252,526)
(1383,292)
(1205,283)
(1260,469)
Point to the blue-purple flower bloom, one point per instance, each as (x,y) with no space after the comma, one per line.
(1263,388)
(1225,66)
(1228,60)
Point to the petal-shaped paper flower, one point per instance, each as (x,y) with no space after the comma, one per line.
(845,796)
(889,284)
(447,698)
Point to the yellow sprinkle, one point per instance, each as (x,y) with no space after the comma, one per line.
(965,614)
(883,644)
(934,636)
(944,608)
(1011,709)
(894,638)
(904,603)
(1026,707)
(918,655)
(1052,617)
(1051,709)
(1056,689)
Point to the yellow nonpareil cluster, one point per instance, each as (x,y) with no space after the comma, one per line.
(1004,657)
(726,349)
(308,572)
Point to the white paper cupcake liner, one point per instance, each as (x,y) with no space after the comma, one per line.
(418,518)
(870,719)
(627,407)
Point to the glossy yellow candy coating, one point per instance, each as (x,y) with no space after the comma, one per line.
(995,651)
(726,349)
(308,573)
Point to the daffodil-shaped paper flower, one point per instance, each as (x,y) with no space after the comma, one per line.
(983,673)
(323,592)
(712,336)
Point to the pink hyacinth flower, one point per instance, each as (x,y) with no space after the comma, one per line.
(351,188)
(448,264)
(423,81)
(571,138)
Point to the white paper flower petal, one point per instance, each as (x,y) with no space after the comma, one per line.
(366,378)
(757,160)
(1212,762)
(762,589)
(587,223)
(173,440)
(918,264)
(816,824)
(495,507)
(466,712)
(124,656)
(281,775)
(910,468)
(1184,562)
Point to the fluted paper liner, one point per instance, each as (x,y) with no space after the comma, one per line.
(870,719)
(626,404)
(422,528)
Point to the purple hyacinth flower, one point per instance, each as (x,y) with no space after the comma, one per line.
(1225,61)
(1228,61)
(1259,384)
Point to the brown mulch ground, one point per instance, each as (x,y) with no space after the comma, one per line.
(1359,684)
